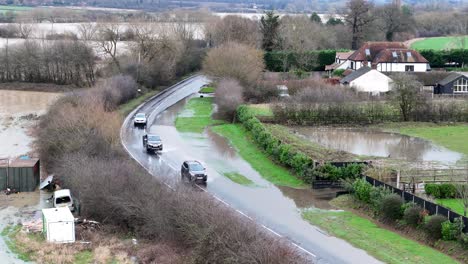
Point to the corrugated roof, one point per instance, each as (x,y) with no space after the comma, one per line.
(452,77)
(426,78)
(356,74)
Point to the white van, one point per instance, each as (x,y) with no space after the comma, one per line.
(63,198)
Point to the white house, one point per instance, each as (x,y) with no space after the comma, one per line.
(368,80)
(382,56)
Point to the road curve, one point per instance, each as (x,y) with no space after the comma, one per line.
(275,208)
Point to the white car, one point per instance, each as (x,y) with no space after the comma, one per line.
(63,198)
(140,119)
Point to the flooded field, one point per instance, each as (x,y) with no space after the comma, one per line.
(19,110)
(380,144)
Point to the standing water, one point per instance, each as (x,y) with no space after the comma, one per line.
(377,143)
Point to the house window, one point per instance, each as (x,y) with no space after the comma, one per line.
(409,68)
(461,86)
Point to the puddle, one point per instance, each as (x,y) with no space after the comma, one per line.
(306,198)
(381,144)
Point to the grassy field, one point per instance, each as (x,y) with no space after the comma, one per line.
(383,244)
(248,150)
(441,43)
(239,178)
(12,8)
(9,234)
(196,115)
(126,108)
(453,204)
(453,137)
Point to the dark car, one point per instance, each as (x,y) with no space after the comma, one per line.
(193,171)
(152,143)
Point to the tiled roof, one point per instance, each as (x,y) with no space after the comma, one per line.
(373,48)
(399,55)
(344,55)
(426,78)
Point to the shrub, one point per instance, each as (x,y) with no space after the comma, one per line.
(391,207)
(377,194)
(362,190)
(434,226)
(441,191)
(412,215)
(228,96)
(452,231)
(464,240)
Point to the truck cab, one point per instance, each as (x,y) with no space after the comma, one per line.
(63,198)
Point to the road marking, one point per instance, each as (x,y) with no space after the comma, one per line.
(221,200)
(271,231)
(305,250)
(250,218)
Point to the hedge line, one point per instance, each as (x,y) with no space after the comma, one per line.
(441,191)
(279,61)
(439,58)
(281,152)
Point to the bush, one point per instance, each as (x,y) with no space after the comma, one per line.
(284,61)
(377,194)
(452,231)
(391,207)
(413,215)
(434,226)
(464,240)
(228,96)
(441,191)
(362,190)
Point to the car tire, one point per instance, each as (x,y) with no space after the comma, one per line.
(205,179)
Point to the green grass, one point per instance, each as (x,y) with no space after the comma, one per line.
(9,234)
(84,257)
(5,8)
(261,110)
(248,150)
(440,43)
(453,204)
(196,115)
(383,244)
(239,178)
(207,89)
(126,108)
(453,137)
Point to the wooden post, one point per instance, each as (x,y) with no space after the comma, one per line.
(398,179)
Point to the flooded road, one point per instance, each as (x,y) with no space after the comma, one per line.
(19,110)
(371,142)
(278,208)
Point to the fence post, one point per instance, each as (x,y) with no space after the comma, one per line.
(437,209)
(448,214)
(424,204)
(398,179)
(413,198)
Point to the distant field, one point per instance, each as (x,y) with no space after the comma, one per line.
(441,43)
(5,8)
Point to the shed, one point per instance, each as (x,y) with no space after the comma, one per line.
(58,225)
(21,174)
(368,80)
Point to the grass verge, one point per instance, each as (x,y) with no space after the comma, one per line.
(383,244)
(196,115)
(247,149)
(452,137)
(453,204)
(9,234)
(207,89)
(261,110)
(239,178)
(126,108)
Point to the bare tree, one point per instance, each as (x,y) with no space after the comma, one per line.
(234,60)
(234,29)
(462,191)
(393,19)
(406,94)
(358,18)
(24,30)
(87,31)
(108,38)
(228,96)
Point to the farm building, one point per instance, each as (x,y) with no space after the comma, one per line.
(22,175)
(368,80)
(455,83)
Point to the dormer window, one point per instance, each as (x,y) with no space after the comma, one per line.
(367,52)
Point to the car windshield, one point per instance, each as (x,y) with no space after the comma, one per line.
(154,138)
(196,167)
(140,115)
(61,200)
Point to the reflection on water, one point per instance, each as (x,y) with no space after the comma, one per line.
(306,198)
(377,143)
(17,102)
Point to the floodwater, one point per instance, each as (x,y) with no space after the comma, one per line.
(371,142)
(19,111)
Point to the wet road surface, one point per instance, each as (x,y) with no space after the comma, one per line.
(275,208)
